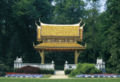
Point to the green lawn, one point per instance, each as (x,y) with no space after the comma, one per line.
(60,80)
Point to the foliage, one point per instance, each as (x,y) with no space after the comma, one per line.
(33,70)
(85,68)
(111,43)
(69,11)
(2,73)
(45,71)
(3,69)
(28,69)
(101,33)
(17,28)
(68,71)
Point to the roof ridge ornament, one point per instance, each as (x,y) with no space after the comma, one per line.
(39,21)
(33,44)
(38,26)
(85,44)
(81,26)
(80,21)
(36,23)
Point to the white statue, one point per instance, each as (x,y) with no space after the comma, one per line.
(18,62)
(100,64)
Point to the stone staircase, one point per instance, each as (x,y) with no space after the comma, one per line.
(59,74)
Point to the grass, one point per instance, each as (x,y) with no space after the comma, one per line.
(2,79)
(46,76)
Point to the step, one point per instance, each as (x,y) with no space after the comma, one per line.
(59,74)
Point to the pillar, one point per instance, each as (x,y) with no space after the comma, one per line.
(76,56)
(42,56)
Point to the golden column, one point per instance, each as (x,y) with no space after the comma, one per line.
(42,56)
(76,56)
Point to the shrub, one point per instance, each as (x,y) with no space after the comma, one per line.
(68,71)
(85,68)
(3,69)
(111,69)
(33,70)
(28,69)
(2,73)
(45,71)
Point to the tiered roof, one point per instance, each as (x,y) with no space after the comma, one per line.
(55,46)
(56,31)
(59,30)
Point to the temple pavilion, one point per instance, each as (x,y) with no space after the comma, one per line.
(59,37)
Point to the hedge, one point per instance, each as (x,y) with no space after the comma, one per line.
(85,68)
(68,71)
(33,70)
(3,69)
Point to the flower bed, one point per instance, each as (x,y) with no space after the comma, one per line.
(23,75)
(98,76)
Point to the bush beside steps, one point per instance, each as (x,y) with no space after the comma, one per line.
(33,70)
(85,68)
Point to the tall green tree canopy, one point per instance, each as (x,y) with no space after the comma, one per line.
(101,33)
(67,12)
(111,42)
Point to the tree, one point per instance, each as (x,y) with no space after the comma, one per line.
(6,26)
(92,33)
(17,28)
(67,12)
(111,42)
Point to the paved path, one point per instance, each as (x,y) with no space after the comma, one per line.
(59,74)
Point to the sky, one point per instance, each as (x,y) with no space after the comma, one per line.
(101,3)
(102,7)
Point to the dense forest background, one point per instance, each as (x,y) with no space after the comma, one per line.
(101,33)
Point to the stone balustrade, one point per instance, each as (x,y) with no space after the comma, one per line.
(69,66)
(19,64)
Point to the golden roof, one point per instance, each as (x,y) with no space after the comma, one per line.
(59,30)
(59,46)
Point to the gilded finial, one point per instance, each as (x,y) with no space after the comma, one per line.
(36,23)
(33,44)
(80,20)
